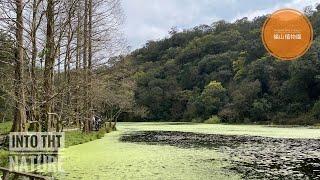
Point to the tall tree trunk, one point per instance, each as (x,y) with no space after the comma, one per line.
(34,53)
(49,65)
(86,127)
(67,62)
(78,62)
(90,54)
(20,117)
(90,37)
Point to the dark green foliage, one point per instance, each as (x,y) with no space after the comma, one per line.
(213,98)
(224,70)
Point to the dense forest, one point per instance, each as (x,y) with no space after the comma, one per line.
(223,69)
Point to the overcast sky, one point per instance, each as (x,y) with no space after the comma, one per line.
(152,19)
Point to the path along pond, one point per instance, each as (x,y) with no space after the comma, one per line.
(196,151)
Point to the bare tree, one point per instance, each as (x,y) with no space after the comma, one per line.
(20,117)
(69,39)
(49,65)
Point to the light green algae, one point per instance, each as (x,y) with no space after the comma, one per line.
(108,158)
(251,130)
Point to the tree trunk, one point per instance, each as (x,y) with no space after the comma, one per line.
(67,74)
(90,54)
(86,127)
(78,63)
(34,53)
(49,64)
(20,117)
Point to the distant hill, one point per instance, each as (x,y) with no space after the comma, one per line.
(223,69)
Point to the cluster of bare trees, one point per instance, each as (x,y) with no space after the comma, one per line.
(59,46)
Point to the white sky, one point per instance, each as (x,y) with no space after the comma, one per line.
(152,19)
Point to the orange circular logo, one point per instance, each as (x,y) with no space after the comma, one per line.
(287,34)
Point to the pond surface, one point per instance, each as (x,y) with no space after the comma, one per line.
(196,151)
(254,157)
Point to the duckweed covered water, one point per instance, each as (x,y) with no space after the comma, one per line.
(251,130)
(109,158)
(254,157)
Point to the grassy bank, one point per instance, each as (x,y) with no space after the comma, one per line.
(72,138)
(77,137)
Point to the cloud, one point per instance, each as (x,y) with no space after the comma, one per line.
(152,19)
(294,4)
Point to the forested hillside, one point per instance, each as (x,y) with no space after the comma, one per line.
(223,69)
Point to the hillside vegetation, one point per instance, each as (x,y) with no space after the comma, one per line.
(223,69)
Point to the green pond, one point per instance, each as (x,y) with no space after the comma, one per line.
(109,158)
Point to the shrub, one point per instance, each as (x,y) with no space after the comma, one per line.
(5,127)
(280,118)
(213,120)
(260,110)
(228,115)
(100,134)
(316,110)
(285,119)
(4,155)
(196,120)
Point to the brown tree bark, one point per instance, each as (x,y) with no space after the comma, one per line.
(86,127)
(90,54)
(78,62)
(34,53)
(49,65)
(67,68)
(20,117)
